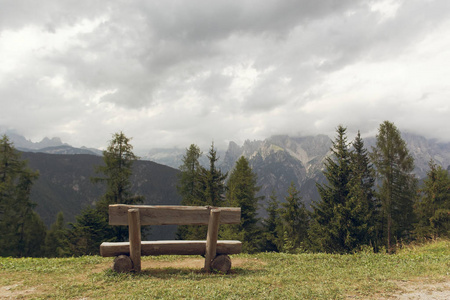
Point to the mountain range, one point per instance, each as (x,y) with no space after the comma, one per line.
(281,159)
(277,161)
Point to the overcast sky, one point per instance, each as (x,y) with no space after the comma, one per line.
(171,73)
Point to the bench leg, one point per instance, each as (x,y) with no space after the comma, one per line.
(211,238)
(134,231)
(222,264)
(122,264)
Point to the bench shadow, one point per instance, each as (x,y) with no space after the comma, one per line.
(184,273)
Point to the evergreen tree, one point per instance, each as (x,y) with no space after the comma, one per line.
(56,244)
(213,181)
(272,226)
(118,159)
(362,206)
(329,228)
(241,192)
(295,220)
(397,189)
(33,236)
(23,232)
(88,232)
(189,186)
(433,207)
(200,186)
(191,189)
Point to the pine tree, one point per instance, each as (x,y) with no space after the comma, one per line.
(272,226)
(118,159)
(207,187)
(394,166)
(88,232)
(23,232)
(56,243)
(189,177)
(362,206)
(33,236)
(190,188)
(295,219)
(241,192)
(433,207)
(213,181)
(330,218)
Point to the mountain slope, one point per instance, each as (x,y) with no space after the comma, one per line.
(64,183)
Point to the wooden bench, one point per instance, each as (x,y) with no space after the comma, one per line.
(128,254)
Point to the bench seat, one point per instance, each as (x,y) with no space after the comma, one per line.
(178,247)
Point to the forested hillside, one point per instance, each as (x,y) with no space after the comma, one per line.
(64,183)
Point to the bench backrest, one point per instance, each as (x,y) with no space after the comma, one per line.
(172,215)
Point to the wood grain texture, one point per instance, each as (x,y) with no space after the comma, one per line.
(211,237)
(172,215)
(222,264)
(108,249)
(134,234)
(122,264)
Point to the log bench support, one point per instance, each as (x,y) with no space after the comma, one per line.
(134,232)
(211,237)
(128,254)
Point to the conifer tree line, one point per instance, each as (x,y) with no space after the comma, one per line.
(370,199)
(22,231)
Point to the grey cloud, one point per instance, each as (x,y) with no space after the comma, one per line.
(157,54)
(47,13)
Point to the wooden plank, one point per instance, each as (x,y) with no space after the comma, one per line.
(134,234)
(211,237)
(170,248)
(172,215)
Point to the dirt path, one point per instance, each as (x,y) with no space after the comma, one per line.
(422,291)
(11,291)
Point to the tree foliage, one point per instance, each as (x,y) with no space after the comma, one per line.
(397,186)
(200,186)
(118,159)
(433,207)
(56,243)
(295,220)
(91,227)
(242,192)
(329,228)
(23,232)
(88,232)
(272,226)
(213,181)
(189,186)
(362,206)
(346,216)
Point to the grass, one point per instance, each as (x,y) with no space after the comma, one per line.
(362,275)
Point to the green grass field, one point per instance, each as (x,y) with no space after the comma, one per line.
(363,275)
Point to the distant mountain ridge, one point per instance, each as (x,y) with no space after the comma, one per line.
(281,159)
(20,142)
(173,157)
(47,145)
(277,160)
(64,149)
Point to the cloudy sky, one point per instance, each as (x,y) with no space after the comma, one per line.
(171,73)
